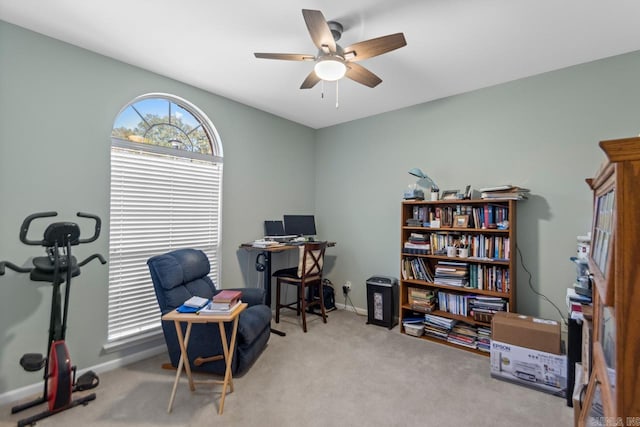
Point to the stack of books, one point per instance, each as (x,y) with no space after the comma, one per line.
(414,222)
(193,305)
(417,244)
(483,341)
(422,300)
(483,308)
(463,334)
(452,273)
(508,191)
(438,327)
(223,302)
(263,243)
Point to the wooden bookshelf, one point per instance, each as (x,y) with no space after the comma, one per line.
(487,229)
(613,393)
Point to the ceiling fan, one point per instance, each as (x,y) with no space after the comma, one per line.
(334,62)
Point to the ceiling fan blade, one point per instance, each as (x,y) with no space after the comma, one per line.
(311,80)
(374,47)
(358,73)
(285,56)
(319,30)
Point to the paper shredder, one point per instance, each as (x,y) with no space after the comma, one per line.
(382,301)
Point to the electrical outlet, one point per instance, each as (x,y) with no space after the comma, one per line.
(347,284)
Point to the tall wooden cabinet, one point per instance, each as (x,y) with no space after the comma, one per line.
(463,285)
(613,392)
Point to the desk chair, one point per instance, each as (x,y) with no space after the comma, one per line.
(308,274)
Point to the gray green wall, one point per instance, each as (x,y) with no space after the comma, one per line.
(540,132)
(58,103)
(57,107)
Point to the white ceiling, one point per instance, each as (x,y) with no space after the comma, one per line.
(453,46)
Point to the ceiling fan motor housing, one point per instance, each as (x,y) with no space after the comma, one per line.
(336,29)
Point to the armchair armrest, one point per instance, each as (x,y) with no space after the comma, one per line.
(252,296)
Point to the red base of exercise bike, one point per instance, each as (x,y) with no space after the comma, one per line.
(60,377)
(59,387)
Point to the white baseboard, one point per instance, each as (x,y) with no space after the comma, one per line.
(356,310)
(34,389)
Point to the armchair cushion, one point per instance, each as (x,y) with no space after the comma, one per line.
(183,273)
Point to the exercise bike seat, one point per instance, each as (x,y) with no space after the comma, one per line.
(44,270)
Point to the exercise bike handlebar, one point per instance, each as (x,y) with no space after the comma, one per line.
(24,229)
(13,267)
(96,232)
(92,257)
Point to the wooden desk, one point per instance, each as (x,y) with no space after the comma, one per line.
(183,340)
(266,253)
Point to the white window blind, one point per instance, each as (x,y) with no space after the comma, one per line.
(159,203)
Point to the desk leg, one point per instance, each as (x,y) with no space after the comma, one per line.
(267,286)
(184,361)
(228,355)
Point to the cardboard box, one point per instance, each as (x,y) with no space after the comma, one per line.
(527,351)
(527,331)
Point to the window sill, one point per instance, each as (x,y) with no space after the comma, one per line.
(133,341)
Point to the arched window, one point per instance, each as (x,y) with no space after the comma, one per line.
(166,190)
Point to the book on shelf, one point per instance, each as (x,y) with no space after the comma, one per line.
(510,192)
(505,187)
(451,273)
(422,300)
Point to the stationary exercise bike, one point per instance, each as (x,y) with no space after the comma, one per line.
(57,267)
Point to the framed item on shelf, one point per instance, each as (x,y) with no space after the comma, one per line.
(467,192)
(460,221)
(449,195)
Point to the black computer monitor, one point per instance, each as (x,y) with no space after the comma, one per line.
(273,228)
(300,225)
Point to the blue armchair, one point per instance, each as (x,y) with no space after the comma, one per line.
(181,274)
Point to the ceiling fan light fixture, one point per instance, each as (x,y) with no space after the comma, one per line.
(330,69)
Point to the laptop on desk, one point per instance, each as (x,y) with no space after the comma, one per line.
(274,230)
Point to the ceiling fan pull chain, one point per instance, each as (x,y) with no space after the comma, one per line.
(337,95)
(322,91)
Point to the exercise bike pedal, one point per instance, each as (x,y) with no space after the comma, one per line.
(86,381)
(32,362)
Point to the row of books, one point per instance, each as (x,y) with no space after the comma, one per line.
(416,268)
(489,277)
(491,216)
(461,274)
(486,216)
(480,246)
(468,305)
(493,247)
(459,333)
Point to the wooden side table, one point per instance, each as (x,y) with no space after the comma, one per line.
(183,340)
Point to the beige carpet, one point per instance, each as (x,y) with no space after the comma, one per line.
(344,373)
